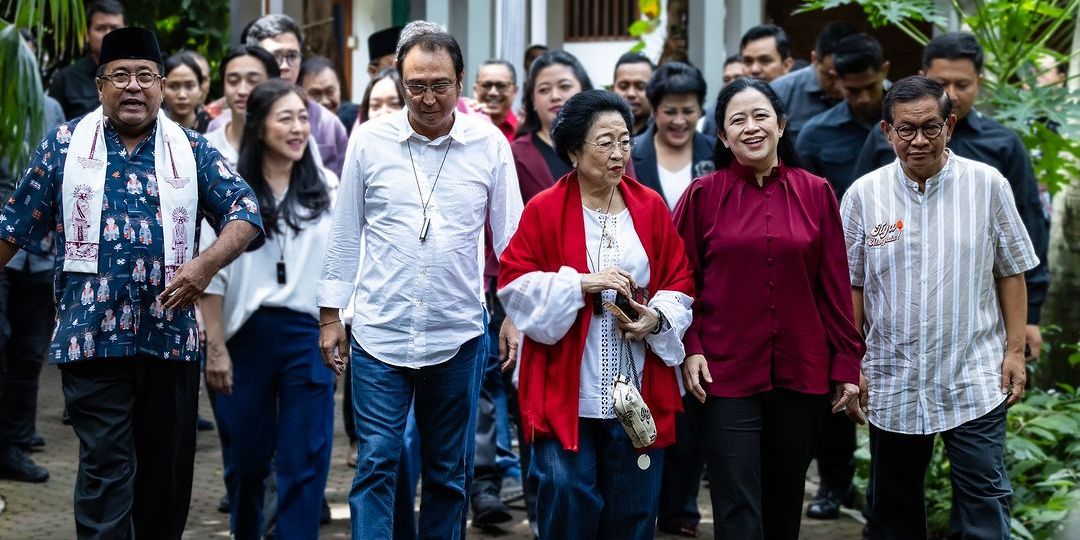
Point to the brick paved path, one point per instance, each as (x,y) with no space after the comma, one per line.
(43,511)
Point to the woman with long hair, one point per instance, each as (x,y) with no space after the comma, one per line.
(182,92)
(242,69)
(273,396)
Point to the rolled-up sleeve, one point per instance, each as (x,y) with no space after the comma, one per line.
(224,195)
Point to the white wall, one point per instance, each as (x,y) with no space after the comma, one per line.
(599,58)
(368,16)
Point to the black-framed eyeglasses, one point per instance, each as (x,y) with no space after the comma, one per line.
(122,79)
(930,131)
(439,88)
(609,146)
(290,57)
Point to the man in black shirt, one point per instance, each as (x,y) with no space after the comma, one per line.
(74,86)
(955,61)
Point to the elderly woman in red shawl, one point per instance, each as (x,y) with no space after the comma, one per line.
(597,279)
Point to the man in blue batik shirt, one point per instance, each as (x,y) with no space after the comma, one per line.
(122,189)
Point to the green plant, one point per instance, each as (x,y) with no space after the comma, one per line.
(647,24)
(1015,35)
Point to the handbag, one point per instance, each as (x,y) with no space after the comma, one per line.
(630,407)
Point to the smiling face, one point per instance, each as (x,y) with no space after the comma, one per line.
(676,117)
(554,85)
(384,99)
(323,88)
(921,157)
(131,109)
(430,113)
(752,130)
(630,82)
(242,74)
(286,130)
(596,165)
(495,90)
(181,91)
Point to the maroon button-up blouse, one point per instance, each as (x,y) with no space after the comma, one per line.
(773,306)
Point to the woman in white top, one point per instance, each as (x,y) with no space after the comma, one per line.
(272,393)
(242,69)
(594,236)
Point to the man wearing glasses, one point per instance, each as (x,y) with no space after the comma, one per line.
(495,89)
(125,339)
(418,187)
(937,254)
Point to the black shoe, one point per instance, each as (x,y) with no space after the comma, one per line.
(16,465)
(37,442)
(324,517)
(223,505)
(66,417)
(202,424)
(488,510)
(826,504)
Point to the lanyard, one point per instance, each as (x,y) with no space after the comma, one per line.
(424,203)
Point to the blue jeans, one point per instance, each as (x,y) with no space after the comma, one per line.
(283,402)
(445,409)
(598,491)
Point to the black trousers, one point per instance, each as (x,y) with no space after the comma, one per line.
(981,489)
(135,419)
(684,463)
(835,451)
(26,321)
(757,449)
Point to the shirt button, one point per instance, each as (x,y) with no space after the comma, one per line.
(769,261)
(772,284)
(773,308)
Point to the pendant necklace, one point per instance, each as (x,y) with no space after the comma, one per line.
(426,223)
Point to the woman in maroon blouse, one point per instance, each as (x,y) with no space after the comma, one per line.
(773,331)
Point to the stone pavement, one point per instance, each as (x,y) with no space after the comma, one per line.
(43,511)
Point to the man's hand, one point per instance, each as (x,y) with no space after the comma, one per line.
(508,344)
(218,369)
(695,369)
(334,345)
(189,282)
(1033,340)
(1013,377)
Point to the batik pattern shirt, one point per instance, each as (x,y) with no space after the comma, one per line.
(115,313)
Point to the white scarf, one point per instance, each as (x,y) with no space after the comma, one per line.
(84,188)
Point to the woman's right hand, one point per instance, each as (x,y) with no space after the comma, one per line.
(695,369)
(334,345)
(609,278)
(218,369)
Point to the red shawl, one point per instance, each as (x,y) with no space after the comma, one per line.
(551,235)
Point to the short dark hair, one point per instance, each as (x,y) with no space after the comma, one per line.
(577,116)
(183,59)
(314,66)
(733,59)
(504,63)
(856,54)
(675,78)
(954,46)
(262,55)
(365,102)
(531,123)
(429,39)
(915,88)
(108,7)
(307,197)
(762,31)
(634,58)
(830,35)
(785,148)
(271,26)
(531,49)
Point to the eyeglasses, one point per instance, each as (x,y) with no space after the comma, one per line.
(290,57)
(498,86)
(609,146)
(930,131)
(439,88)
(122,79)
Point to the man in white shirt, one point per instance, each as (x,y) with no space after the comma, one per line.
(418,186)
(937,255)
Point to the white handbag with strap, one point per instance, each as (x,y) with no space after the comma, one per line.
(630,407)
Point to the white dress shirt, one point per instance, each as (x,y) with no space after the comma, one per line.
(219,140)
(417,302)
(544,305)
(250,282)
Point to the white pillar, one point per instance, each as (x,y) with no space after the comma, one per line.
(538,30)
(707,49)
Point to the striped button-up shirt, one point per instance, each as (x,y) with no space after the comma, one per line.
(928,265)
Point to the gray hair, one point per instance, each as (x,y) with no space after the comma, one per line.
(415,29)
(429,37)
(271,26)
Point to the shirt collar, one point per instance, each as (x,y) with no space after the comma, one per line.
(973,119)
(750,175)
(813,85)
(933,182)
(406,131)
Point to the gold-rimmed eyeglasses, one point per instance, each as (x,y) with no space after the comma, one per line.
(609,146)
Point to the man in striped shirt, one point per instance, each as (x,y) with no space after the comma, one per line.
(937,255)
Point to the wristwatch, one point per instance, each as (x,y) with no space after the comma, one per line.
(661,322)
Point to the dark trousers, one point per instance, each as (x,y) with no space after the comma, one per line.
(135,419)
(282,405)
(599,491)
(684,463)
(757,449)
(26,321)
(491,454)
(835,451)
(980,483)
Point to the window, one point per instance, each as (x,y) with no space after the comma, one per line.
(600,20)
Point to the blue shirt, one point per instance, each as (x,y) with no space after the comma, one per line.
(115,313)
(829,145)
(803,98)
